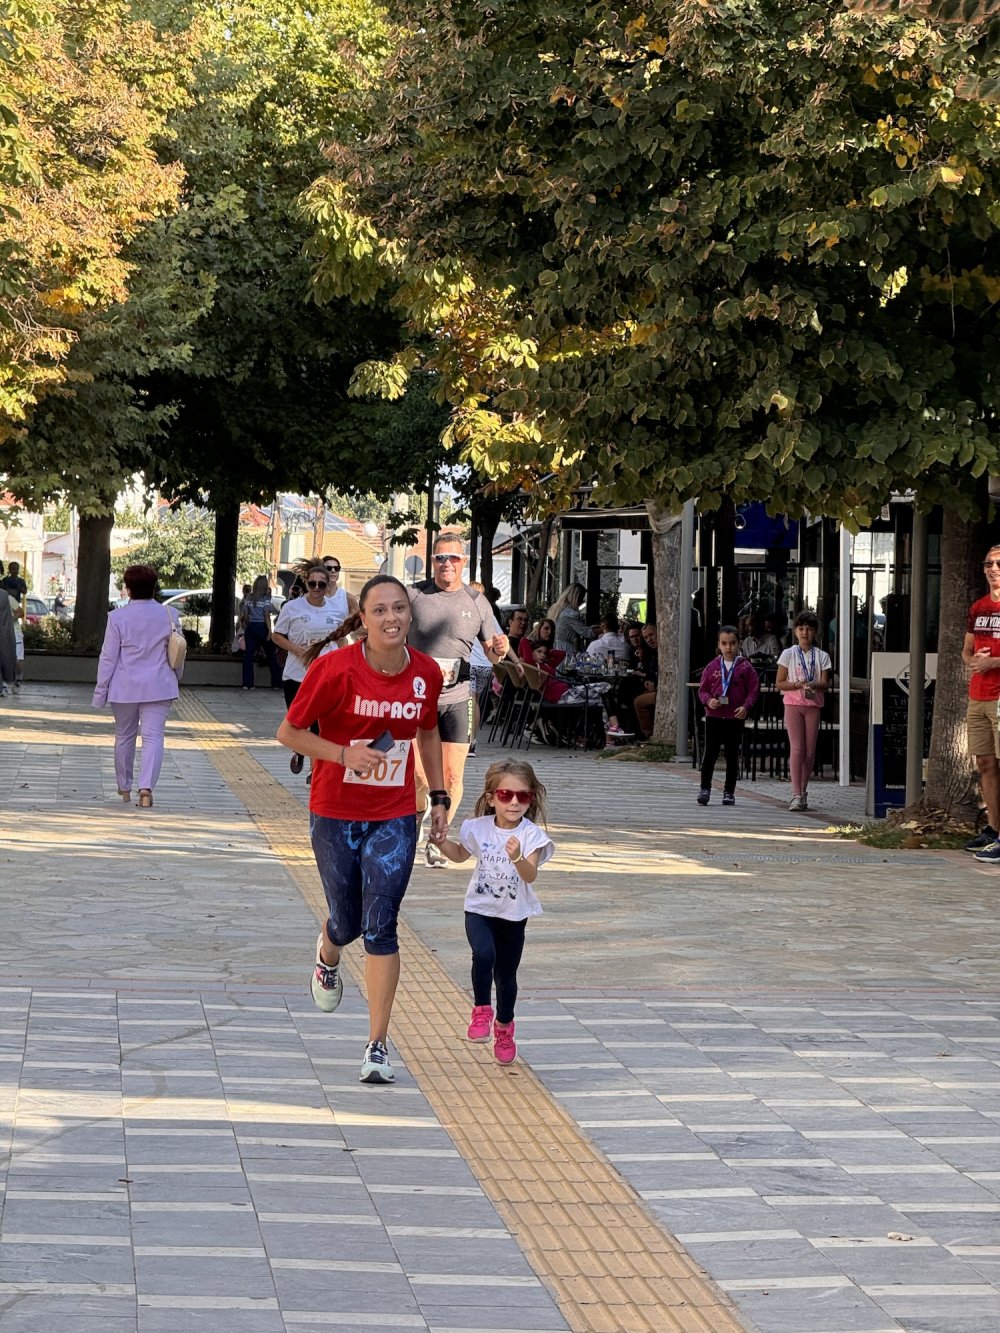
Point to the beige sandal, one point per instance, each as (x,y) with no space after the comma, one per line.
(125,795)
(145,798)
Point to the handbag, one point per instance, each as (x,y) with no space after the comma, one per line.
(239,643)
(176,646)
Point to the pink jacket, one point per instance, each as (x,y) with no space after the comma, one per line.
(744,686)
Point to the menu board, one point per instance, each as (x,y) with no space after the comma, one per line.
(890,699)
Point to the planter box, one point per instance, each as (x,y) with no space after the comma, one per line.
(81,669)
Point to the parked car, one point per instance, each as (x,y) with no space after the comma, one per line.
(194,607)
(36,609)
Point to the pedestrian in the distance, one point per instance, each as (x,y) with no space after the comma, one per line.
(509,845)
(136,679)
(804,676)
(255,622)
(981,655)
(729,689)
(7,645)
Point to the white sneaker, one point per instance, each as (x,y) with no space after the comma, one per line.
(326,984)
(375,1068)
(797,803)
(434,855)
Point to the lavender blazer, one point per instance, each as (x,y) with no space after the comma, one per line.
(133,668)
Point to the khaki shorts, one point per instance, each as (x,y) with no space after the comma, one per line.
(981,724)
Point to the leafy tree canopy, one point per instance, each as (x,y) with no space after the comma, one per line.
(681,248)
(180,546)
(86,91)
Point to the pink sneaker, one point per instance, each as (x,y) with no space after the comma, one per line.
(503,1042)
(482,1021)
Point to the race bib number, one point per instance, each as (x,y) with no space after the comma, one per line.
(449,669)
(390,771)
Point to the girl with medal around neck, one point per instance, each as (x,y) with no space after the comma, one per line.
(373,701)
(729,688)
(804,675)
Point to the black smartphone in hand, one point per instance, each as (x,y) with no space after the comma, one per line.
(383,742)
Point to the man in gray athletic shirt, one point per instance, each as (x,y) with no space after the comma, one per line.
(448,617)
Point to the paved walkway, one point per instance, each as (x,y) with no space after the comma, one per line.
(783,1046)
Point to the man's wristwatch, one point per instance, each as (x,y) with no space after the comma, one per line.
(440,798)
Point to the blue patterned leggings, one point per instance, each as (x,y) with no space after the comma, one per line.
(365,867)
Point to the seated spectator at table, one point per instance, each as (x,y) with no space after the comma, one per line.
(544,633)
(517,627)
(634,646)
(644,704)
(572,631)
(757,642)
(610,641)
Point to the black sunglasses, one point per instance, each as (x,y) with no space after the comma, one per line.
(332,569)
(315,583)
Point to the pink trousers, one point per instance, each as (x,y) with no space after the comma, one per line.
(802,725)
(132,720)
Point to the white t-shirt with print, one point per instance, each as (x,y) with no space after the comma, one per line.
(304,624)
(496,889)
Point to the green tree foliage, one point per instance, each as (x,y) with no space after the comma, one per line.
(84,96)
(680,249)
(180,547)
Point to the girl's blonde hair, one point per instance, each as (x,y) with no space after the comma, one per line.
(516,768)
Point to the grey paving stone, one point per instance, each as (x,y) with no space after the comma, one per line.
(832,1311)
(462,1314)
(335,1239)
(213,1274)
(316,1290)
(209,1321)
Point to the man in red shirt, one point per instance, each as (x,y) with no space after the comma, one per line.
(981,654)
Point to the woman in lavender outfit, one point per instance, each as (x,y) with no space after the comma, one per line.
(136,679)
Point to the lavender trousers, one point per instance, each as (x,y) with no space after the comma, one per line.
(132,720)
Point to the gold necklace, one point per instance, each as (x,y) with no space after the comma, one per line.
(384,671)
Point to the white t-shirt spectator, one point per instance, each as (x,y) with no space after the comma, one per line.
(609,643)
(496,889)
(304,624)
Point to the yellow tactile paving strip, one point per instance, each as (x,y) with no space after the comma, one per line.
(610,1265)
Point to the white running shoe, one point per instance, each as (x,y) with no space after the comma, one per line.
(375,1068)
(326,984)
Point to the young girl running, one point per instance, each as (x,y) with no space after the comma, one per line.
(509,847)
(804,674)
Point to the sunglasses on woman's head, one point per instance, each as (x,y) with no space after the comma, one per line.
(507,794)
(315,583)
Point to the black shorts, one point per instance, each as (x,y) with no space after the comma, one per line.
(455,722)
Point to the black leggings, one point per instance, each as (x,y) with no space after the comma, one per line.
(497,946)
(291,689)
(722,734)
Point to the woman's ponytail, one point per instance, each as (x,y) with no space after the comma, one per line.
(350,626)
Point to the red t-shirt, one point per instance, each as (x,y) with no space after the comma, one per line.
(984,625)
(352,703)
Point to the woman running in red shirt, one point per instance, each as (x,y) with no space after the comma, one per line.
(363,799)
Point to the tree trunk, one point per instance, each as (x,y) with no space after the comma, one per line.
(487,529)
(951,781)
(533,589)
(227,526)
(666,545)
(93,580)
